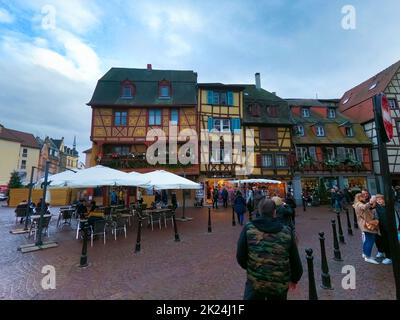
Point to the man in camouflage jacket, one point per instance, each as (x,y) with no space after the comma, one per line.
(268,251)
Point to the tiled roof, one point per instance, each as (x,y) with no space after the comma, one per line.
(265,99)
(108,89)
(369,88)
(26,139)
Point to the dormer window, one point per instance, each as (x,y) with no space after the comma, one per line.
(349,132)
(331,113)
(305,112)
(164,89)
(127,90)
(299,130)
(272,111)
(320,131)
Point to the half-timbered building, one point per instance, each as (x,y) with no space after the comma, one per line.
(330,148)
(269,118)
(220,111)
(127,103)
(357,104)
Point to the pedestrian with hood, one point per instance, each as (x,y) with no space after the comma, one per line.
(239,206)
(225,195)
(284,212)
(289,200)
(268,251)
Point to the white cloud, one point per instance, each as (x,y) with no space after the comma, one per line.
(5,16)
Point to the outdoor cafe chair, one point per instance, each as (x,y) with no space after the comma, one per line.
(155,217)
(20,213)
(66,215)
(99,228)
(35,226)
(168,215)
(119,225)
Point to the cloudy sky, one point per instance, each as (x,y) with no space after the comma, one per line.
(52,52)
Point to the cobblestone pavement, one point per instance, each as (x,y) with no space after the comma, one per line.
(201,266)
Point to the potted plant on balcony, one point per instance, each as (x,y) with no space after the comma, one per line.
(332,164)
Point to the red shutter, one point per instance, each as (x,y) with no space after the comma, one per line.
(258,160)
(255,110)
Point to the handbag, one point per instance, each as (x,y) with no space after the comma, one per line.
(372,225)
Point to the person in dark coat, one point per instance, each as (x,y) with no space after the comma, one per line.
(215,198)
(174,201)
(239,206)
(289,200)
(267,250)
(81,209)
(284,212)
(225,196)
(382,239)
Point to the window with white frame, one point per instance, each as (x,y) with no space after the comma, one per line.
(330,153)
(300,130)
(222,125)
(349,131)
(23,164)
(305,112)
(331,113)
(24,152)
(393,104)
(350,153)
(301,153)
(320,131)
(281,160)
(266,160)
(220,156)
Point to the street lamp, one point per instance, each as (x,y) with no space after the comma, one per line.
(29,199)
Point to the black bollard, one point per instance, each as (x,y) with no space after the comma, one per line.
(139,234)
(326,278)
(233,217)
(355,219)
(83,262)
(209,220)
(312,290)
(177,239)
(349,229)
(341,236)
(338,256)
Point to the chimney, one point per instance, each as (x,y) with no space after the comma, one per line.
(258,81)
(149,67)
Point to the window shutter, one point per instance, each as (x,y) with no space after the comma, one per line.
(313,153)
(210,124)
(268,134)
(255,110)
(360,155)
(230,98)
(235,124)
(210,97)
(341,153)
(258,160)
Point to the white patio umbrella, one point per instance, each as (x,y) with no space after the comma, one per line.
(57,180)
(164,180)
(104,176)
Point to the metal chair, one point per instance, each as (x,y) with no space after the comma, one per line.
(119,225)
(35,226)
(168,215)
(154,217)
(99,228)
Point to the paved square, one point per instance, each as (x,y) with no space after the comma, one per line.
(201,266)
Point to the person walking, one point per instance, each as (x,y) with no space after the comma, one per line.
(225,197)
(268,252)
(289,200)
(249,200)
(215,198)
(239,206)
(382,239)
(367,224)
(284,212)
(114,198)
